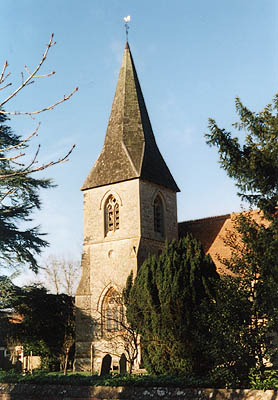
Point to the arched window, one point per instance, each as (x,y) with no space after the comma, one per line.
(112,215)
(112,311)
(158,215)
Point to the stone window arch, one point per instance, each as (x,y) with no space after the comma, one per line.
(112,311)
(112,214)
(158,215)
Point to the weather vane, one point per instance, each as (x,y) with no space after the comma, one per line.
(127,20)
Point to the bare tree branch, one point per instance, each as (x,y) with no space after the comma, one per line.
(21,144)
(61,274)
(2,77)
(8,193)
(39,76)
(122,338)
(29,80)
(24,83)
(65,98)
(12,157)
(8,84)
(25,167)
(28,170)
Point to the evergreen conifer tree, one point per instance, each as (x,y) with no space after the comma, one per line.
(19,194)
(161,305)
(47,327)
(253,164)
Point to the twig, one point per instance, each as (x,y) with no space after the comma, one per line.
(21,144)
(3,87)
(39,76)
(28,170)
(65,98)
(2,78)
(8,193)
(12,158)
(24,83)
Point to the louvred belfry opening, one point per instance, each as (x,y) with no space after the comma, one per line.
(112,214)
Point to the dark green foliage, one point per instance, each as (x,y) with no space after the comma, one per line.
(48,322)
(19,197)
(7,290)
(254,243)
(225,335)
(253,165)
(161,305)
(255,260)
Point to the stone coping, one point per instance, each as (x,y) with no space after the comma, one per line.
(19,391)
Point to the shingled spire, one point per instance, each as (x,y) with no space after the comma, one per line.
(130,150)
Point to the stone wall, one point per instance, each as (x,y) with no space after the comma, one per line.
(109,257)
(148,193)
(107,261)
(60,392)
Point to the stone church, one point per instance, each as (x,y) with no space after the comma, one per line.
(130,208)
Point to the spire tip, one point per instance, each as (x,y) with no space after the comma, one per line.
(127,20)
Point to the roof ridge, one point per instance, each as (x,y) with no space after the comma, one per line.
(206,218)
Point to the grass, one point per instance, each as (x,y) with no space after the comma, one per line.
(56,378)
(256,381)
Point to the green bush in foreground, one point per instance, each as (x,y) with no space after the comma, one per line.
(161,304)
(263,382)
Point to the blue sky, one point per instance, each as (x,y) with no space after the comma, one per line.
(193,58)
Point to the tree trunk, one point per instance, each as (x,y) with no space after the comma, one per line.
(66,362)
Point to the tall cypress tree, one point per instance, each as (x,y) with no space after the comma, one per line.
(19,195)
(161,305)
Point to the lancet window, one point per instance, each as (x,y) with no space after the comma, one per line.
(112,214)
(158,214)
(112,311)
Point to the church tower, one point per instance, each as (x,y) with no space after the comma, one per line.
(129,211)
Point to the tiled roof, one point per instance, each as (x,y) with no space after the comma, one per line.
(130,150)
(213,230)
(206,229)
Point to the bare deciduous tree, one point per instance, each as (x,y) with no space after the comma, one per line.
(17,152)
(61,275)
(31,77)
(122,338)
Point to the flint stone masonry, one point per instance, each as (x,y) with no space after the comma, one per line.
(61,392)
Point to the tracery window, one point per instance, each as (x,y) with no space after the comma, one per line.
(112,215)
(158,214)
(112,311)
